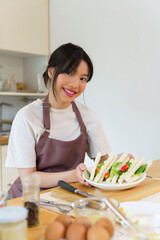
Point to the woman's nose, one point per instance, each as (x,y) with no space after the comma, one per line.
(75,82)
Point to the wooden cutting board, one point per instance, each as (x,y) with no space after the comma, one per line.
(144,189)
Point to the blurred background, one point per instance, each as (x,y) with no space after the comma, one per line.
(123,40)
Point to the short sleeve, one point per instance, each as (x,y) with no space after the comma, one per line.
(21,147)
(97,140)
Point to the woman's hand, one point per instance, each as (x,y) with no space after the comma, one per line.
(129,154)
(79,171)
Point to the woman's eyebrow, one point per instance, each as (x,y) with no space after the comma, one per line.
(85,75)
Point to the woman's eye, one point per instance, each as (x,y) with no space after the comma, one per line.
(84,79)
(69,73)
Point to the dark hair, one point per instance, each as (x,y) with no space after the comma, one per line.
(66,59)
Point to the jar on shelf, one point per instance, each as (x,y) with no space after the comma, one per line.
(13,223)
(31,198)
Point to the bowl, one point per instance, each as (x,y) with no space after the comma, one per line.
(147,227)
(93,208)
(3,198)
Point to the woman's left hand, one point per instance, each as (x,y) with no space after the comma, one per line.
(79,171)
(129,154)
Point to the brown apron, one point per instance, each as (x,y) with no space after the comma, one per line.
(54,155)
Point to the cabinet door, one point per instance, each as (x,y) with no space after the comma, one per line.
(9,175)
(24,26)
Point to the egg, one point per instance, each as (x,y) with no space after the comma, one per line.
(107,224)
(97,232)
(55,231)
(65,219)
(84,221)
(76,231)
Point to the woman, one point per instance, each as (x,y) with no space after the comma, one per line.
(49,137)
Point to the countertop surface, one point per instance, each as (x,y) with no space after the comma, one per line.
(4,140)
(145,189)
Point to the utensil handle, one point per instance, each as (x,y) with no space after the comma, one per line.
(66,186)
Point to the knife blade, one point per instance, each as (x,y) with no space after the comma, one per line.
(72,189)
(152,177)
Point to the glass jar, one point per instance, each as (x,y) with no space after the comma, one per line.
(31,198)
(93,208)
(13,223)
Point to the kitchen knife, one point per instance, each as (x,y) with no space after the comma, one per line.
(93,204)
(72,189)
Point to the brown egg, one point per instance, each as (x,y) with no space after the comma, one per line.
(97,233)
(107,224)
(84,221)
(65,219)
(76,231)
(55,231)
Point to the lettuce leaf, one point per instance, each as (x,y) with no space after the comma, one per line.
(140,170)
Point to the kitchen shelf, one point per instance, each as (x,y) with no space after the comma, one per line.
(22,94)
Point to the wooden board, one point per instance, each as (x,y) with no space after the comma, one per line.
(144,189)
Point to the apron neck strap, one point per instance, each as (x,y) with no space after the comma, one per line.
(46,115)
(79,118)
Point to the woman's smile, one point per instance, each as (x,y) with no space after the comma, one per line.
(69,92)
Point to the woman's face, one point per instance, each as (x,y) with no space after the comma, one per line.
(69,86)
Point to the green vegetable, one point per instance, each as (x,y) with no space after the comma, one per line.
(140,170)
(100,165)
(116,164)
(89,174)
(113,170)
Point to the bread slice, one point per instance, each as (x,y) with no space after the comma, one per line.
(124,158)
(97,160)
(105,168)
(136,163)
(135,177)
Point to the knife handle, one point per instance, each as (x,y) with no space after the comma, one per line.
(66,186)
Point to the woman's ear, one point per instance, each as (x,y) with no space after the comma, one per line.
(50,72)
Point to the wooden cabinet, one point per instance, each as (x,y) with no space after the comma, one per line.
(24,26)
(7,175)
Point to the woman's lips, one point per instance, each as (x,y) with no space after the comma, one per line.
(69,92)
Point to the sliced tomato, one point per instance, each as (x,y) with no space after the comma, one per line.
(106,175)
(124,168)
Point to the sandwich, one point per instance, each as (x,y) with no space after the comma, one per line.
(118,169)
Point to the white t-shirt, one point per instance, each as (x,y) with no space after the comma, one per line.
(28,126)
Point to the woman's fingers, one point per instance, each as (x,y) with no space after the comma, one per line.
(80,169)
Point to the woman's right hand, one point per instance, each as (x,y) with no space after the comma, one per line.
(79,171)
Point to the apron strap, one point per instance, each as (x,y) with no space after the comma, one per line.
(46,115)
(79,118)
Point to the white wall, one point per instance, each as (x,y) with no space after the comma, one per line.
(122,38)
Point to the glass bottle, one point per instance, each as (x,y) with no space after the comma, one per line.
(13,223)
(31,198)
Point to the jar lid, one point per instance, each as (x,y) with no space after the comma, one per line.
(11,214)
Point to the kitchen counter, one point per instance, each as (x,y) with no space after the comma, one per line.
(4,140)
(147,188)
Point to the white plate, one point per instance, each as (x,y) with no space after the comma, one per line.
(110,186)
(141,207)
